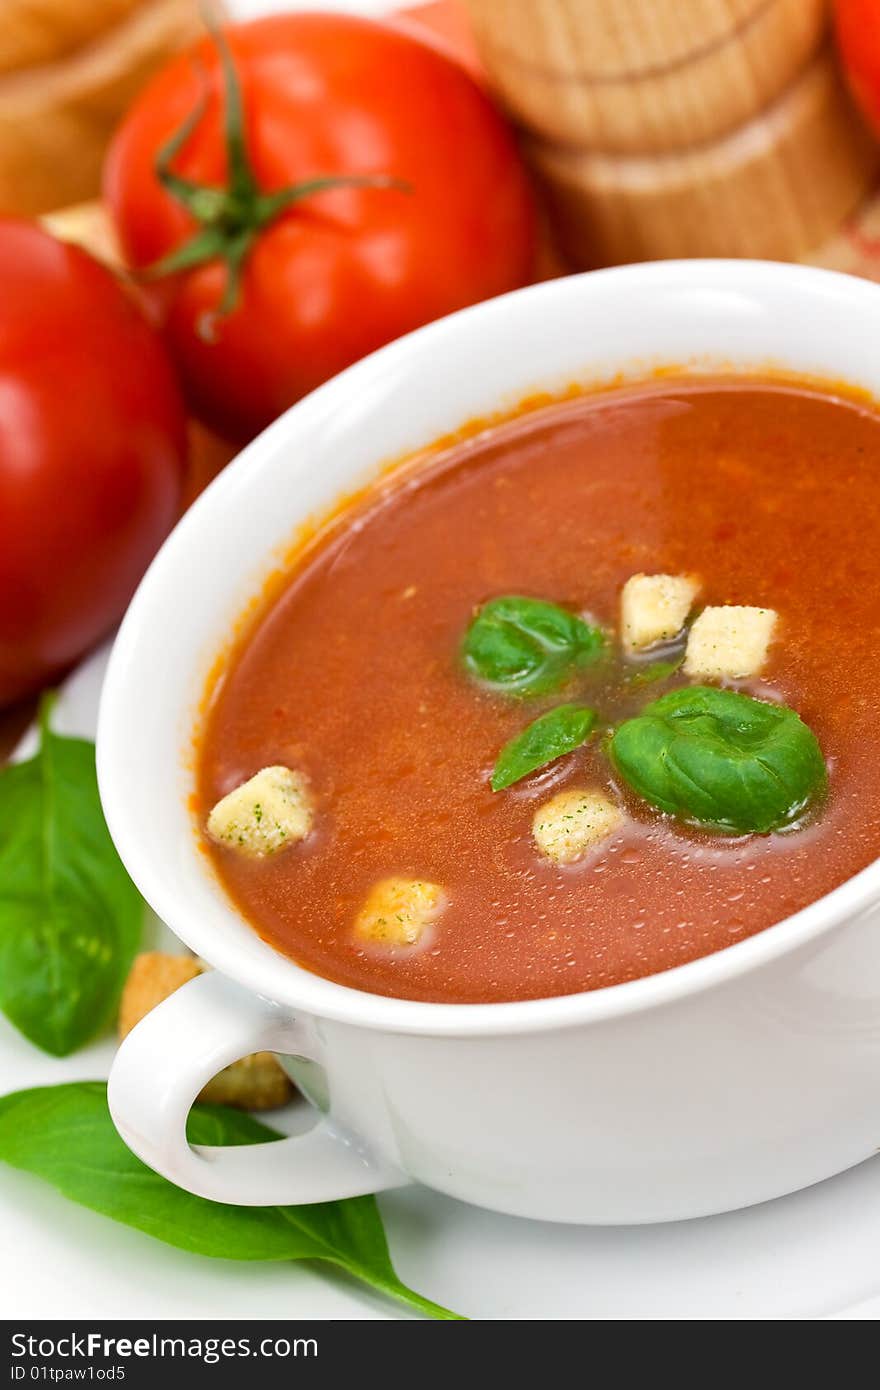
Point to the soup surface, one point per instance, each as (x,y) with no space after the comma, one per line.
(353,675)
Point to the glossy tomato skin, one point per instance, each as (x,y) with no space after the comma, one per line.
(857,26)
(92,446)
(343,272)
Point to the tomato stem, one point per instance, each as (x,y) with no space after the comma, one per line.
(230,219)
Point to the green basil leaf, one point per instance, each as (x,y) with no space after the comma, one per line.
(525,646)
(657,671)
(64,1134)
(70,917)
(721,759)
(557,732)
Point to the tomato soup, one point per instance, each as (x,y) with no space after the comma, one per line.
(357,677)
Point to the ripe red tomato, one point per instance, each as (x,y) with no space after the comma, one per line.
(92,445)
(857,24)
(333,274)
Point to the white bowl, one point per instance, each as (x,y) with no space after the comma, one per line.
(729,1080)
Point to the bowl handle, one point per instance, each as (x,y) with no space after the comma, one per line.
(175,1050)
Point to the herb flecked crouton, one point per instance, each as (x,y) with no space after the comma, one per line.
(573,822)
(398,911)
(272,809)
(253,1083)
(654,607)
(729,642)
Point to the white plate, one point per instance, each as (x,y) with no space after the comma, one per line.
(813,1255)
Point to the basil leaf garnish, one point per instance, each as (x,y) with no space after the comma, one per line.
(557,732)
(70,917)
(657,671)
(65,1135)
(526,646)
(721,759)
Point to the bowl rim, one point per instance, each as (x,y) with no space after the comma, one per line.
(282,980)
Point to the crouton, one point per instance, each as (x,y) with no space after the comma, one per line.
(573,822)
(272,809)
(153,976)
(729,642)
(254,1083)
(398,911)
(653,608)
(258,1082)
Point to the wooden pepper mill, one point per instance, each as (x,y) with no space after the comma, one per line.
(666,128)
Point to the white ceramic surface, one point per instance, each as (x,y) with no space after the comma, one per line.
(722,1083)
